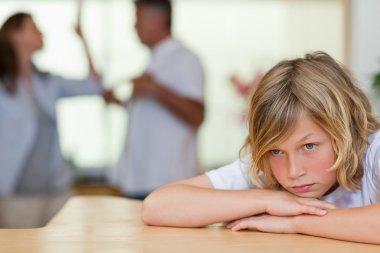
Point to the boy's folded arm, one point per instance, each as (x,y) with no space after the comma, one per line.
(359,224)
(195,203)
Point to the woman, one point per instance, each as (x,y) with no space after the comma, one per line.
(30,158)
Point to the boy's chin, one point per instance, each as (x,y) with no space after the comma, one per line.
(310,194)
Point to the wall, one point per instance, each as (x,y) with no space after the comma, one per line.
(365,40)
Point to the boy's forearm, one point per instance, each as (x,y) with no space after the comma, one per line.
(360,224)
(189,206)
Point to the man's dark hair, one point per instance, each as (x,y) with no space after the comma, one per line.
(163,5)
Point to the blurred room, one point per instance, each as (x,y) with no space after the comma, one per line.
(237,38)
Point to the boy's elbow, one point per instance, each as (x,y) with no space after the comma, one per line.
(149,212)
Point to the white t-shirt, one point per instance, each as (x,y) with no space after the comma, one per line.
(235,177)
(160,148)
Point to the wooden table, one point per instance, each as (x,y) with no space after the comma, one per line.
(112,224)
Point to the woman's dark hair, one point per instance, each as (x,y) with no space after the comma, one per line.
(9,68)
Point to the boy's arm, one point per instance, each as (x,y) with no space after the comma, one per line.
(195,203)
(360,224)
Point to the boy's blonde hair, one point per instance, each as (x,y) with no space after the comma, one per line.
(323,88)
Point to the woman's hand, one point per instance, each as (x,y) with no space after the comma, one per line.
(78,25)
(110,98)
(78,30)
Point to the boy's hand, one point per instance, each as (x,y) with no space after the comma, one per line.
(282,203)
(265,223)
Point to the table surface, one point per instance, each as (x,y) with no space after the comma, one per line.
(112,224)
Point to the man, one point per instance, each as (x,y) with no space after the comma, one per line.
(165,111)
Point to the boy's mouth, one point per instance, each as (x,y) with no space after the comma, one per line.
(302,188)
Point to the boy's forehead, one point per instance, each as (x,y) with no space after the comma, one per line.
(304,129)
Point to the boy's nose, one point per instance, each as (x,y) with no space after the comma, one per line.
(295,168)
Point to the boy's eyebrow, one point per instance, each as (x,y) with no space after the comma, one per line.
(300,140)
(305,137)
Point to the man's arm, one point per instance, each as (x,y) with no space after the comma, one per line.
(188,110)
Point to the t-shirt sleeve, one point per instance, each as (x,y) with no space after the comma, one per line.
(372,168)
(377,178)
(231,177)
(376,175)
(192,83)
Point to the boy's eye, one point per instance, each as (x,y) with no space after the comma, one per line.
(310,147)
(276,152)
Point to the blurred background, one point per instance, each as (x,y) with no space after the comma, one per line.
(231,37)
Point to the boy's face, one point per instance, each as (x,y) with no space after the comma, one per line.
(301,163)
